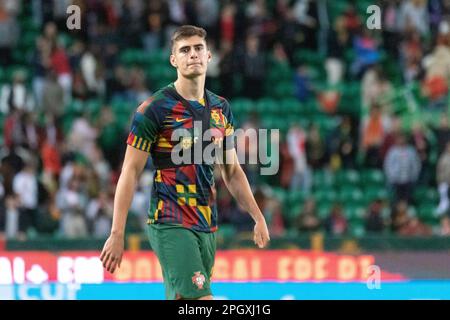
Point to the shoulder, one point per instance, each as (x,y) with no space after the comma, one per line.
(216,100)
(153,104)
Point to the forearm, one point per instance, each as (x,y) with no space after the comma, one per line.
(122,201)
(239,188)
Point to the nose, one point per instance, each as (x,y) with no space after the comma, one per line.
(193,54)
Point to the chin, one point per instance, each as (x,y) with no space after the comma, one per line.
(194,75)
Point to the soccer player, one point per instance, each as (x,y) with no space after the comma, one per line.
(183,212)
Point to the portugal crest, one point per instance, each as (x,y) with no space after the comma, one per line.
(217,118)
(198,279)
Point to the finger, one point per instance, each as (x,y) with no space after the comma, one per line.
(259,240)
(105,260)
(115,265)
(265,239)
(255,238)
(119,261)
(111,263)
(102,254)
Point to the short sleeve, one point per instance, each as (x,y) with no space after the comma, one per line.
(144,128)
(229,126)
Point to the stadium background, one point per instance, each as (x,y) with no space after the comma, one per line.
(339,93)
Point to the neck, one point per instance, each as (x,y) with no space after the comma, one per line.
(190,89)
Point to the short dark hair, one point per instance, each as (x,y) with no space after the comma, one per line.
(187,31)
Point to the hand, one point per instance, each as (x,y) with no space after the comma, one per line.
(261,233)
(111,255)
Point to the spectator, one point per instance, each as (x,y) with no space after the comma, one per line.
(411,53)
(442,133)
(422,145)
(25,186)
(99,213)
(60,64)
(254,66)
(373,131)
(53,96)
(228,24)
(374,220)
(296,139)
(401,214)
(308,220)
(413,15)
(444,229)
(376,89)
(9,34)
(83,135)
(366,51)
(336,223)
(315,148)
(227,67)
(415,227)
(16,95)
(390,32)
(435,85)
(443,180)
(391,135)
(302,84)
(41,64)
(337,41)
(72,203)
(153,38)
(342,144)
(402,168)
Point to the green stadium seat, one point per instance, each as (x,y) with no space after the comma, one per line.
(282,89)
(323,179)
(373,177)
(357,229)
(267,106)
(295,197)
(280,194)
(324,209)
(355,212)
(350,194)
(325,195)
(243,105)
(349,177)
(372,193)
(291,106)
(426,194)
(427,211)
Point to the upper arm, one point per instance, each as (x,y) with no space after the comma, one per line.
(230,163)
(143,133)
(134,161)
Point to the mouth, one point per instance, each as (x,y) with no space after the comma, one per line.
(194,64)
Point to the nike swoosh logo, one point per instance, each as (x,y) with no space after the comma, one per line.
(181,119)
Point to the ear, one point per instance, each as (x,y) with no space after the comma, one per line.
(209,56)
(172,61)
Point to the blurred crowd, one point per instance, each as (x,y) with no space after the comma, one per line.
(60,180)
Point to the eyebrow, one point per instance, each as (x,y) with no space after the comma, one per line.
(195,45)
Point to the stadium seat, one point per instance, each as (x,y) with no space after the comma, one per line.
(372,193)
(350,194)
(348,177)
(372,177)
(324,209)
(325,195)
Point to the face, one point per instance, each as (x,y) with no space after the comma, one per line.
(190,56)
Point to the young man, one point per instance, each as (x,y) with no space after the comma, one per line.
(183,213)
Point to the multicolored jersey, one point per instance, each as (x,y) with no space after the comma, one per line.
(184,195)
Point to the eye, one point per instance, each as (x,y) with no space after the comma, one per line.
(185,50)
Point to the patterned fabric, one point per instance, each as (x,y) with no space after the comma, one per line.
(184,195)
